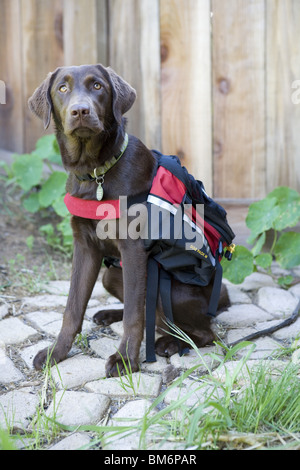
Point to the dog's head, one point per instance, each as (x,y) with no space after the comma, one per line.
(83,99)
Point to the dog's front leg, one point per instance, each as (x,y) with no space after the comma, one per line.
(134,260)
(86,266)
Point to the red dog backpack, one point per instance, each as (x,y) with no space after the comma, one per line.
(188,233)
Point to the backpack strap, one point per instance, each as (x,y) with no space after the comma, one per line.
(151,302)
(157,280)
(165,293)
(216,290)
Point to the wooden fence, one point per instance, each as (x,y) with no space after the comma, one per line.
(214,79)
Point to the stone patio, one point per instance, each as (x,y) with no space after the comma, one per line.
(83,395)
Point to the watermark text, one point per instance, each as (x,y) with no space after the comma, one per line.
(154,222)
(2,92)
(296,95)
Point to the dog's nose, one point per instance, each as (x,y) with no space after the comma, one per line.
(79,110)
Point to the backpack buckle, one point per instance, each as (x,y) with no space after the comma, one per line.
(229,251)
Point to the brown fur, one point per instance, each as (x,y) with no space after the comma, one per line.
(89,127)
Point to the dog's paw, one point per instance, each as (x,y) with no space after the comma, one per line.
(49,356)
(116,366)
(167,346)
(107,317)
(42,358)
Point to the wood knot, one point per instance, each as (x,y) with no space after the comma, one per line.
(224,85)
(218,148)
(164,52)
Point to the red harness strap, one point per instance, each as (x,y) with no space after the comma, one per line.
(89,209)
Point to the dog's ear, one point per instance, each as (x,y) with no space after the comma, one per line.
(123,94)
(40,102)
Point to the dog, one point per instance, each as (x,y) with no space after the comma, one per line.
(87,104)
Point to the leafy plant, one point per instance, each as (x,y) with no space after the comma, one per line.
(42,192)
(279,211)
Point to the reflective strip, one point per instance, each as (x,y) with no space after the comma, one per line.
(161,203)
(173,210)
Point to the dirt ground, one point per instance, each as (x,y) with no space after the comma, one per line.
(22,269)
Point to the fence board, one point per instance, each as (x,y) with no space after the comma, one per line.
(11,113)
(238,98)
(80,32)
(283,116)
(134,52)
(42,53)
(163,48)
(102,31)
(186,84)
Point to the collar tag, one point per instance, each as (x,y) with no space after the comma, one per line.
(101,171)
(99,180)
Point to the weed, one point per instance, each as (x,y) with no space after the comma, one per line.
(128,381)
(40,194)
(279,211)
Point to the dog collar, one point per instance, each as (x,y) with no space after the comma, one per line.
(90,209)
(100,172)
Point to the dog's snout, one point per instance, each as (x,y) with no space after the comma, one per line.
(79,110)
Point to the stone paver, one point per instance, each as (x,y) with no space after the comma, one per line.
(141,385)
(73,408)
(202,358)
(278,302)
(243,315)
(50,322)
(256,281)
(4,309)
(76,441)
(8,371)
(82,394)
(17,406)
(128,415)
(77,371)
(15,331)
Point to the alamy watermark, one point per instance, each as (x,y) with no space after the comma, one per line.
(158,221)
(2,92)
(296,95)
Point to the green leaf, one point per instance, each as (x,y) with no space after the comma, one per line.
(261,216)
(259,244)
(285,281)
(60,207)
(66,230)
(287,250)
(288,201)
(264,260)
(53,188)
(47,229)
(28,170)
(240,266)
(30,242)
(47,148)
(32,203)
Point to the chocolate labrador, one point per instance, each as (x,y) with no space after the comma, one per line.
(87,104)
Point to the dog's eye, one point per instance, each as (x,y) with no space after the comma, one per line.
(63,88)
(97,85)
